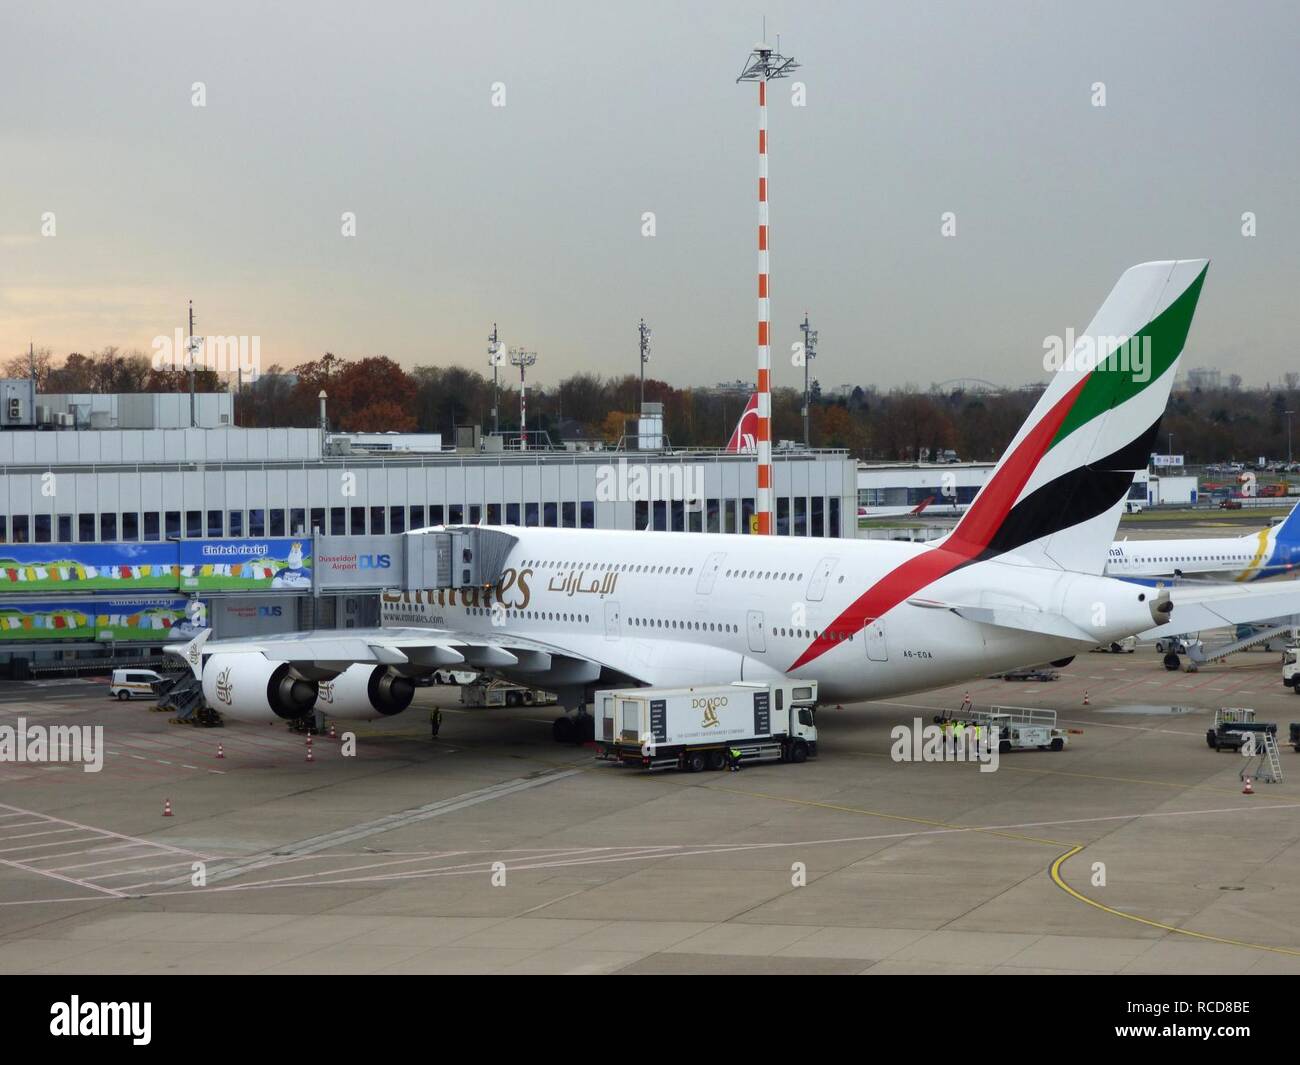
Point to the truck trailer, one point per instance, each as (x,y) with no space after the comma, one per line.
(699,728)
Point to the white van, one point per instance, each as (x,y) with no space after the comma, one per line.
(133,684)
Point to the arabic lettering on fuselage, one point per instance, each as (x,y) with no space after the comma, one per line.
(575,582)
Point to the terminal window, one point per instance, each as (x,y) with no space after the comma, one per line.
(569,515)
(317,522)
(338,521)
(494,513)
(214,523)
(435,514)
(588,514)
(20,528)
(512,514)
(530,514)
(550,517)
(417,517)
(257,523)
(86,528)
(377,520)
(131,526)
(194,524)
(277,522)
(236,523)
(65,528)
(42,528)
(150,525)
(4,530)
(358,521)
(475,513)
(107,528)
(397,519)
(456,514)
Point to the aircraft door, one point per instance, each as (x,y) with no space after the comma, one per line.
(877,650)
(821,576)
(757,641)
(613,619)
(709,573)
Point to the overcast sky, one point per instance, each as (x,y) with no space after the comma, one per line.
(530,214)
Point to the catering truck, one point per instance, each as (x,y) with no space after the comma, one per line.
(697,728)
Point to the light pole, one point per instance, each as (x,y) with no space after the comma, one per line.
(1288,436)
(764,64)
(809,353)
(494,360)
(523,359)
(643,331)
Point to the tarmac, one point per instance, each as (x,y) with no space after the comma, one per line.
(492,849)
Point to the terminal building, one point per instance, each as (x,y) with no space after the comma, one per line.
(115,540)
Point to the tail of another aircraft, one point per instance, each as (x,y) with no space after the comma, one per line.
(1055,497)
(745,436)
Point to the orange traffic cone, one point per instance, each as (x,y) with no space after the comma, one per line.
(310,756)
(1085,697)
(167,807)
(1249,789)
(333,735)
(221,751)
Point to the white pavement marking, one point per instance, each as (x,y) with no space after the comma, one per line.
(344,836)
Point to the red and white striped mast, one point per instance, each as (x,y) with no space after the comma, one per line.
(763,65)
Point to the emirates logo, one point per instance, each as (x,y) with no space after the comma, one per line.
(225,690)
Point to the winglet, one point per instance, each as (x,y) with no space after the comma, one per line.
(192,652)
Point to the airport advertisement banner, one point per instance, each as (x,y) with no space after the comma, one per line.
(73,568)
(358,561)
(124,620)
(245,565)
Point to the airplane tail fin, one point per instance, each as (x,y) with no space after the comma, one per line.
(745,436)
(1289,530)
(1055,497)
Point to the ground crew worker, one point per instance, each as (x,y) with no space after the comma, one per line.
(733,759)
(435,722)
(957,731)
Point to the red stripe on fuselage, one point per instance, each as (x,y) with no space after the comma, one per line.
(972,535)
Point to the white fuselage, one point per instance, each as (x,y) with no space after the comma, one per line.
(1226,558)
(674,610)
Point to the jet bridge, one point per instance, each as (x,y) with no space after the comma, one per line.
(459,556)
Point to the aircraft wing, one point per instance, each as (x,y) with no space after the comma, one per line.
(1213,606)
(423,649)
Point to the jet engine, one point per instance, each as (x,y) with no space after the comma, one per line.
(363,693)
(249,687)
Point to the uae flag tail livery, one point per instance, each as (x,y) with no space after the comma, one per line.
(1054,499)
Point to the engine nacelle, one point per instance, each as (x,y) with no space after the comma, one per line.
(364,693)
(249,687)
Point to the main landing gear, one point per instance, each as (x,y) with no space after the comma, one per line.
(576,728)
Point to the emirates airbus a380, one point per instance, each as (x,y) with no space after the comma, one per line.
(1019,580)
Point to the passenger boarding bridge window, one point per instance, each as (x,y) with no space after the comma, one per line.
(20,528)
(338,521)
(86,528)
(277,522)
(236,523)
(569,515)
(131,527)
(588,514)
(65,529)
(357,521)
(257,523)
(214,523)
(377,520)
(150,525)
(42,528)
(397,519)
